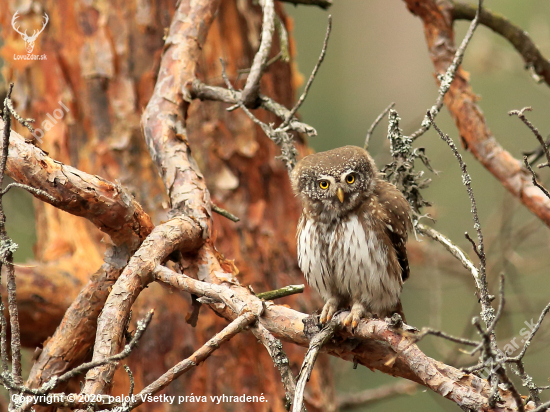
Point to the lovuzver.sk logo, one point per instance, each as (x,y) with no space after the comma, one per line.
(29,40)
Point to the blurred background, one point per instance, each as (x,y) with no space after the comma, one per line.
(377,55)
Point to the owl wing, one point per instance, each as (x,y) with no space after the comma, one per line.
(395,214)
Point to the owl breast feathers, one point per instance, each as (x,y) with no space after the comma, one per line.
(352,233)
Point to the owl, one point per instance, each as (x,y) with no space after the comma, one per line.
(352,233)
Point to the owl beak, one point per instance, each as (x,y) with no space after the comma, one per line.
(340,194)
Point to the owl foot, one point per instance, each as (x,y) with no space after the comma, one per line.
(329,310)
(358,312)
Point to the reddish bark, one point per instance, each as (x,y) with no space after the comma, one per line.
(102,64)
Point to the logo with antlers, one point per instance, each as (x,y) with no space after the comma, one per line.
(29,40)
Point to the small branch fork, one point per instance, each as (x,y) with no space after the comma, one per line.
(13,380)
(493,359)
(315,346)
(375,123)
(487,311)
(490,355)
(543,145)
(250,97)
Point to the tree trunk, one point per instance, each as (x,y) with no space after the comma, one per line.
(100,69)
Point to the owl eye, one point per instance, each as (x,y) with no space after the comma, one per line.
(350,179)
(324,184)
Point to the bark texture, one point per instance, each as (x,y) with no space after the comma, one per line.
(102,64)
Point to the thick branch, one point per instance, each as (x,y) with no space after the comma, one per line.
(374,344)
(176,234)
(107,205)
(163,124)
(251,90)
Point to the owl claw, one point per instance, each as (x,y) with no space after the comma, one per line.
(329,310)
(358,312)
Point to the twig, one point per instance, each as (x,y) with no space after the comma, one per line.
(453,249)
(269,63)
(324,4)
(518,37)
(131,377)
(311,77)
(487,311)
(224,213)
(449,76)
(7,248)
(375,123)
(33,190)
(473,243)
(309,361)
(196,358)
(275,349)
(500,309)
(521,115)
(369,396)
(8,107)
(279,135)
(140,330)
(281,293)
(251,89)
(199,90)
(531,335)
(430,331)
(490,353)
(535,181)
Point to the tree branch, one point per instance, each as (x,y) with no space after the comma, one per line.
(518,37)
(461,102)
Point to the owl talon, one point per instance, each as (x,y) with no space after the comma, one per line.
(358,312)
(329,310)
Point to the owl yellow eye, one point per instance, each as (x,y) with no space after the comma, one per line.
(323,184)
(350,179)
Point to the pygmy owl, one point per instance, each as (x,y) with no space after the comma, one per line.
(352,233)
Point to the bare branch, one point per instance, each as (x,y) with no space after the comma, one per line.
(224,213)
(456,251)
(535,181)
(196,358)
(275,349)
(281,293)
(518,37)
(449,76)
(430,331)
(199,90)
(521,115)
(309,361)
(311,77)
(251,91)
(531,335)
(370,396)
(375,123)
(487,311)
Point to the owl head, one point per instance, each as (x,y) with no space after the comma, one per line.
(333,183)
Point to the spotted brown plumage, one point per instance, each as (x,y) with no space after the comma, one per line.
(352,233)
